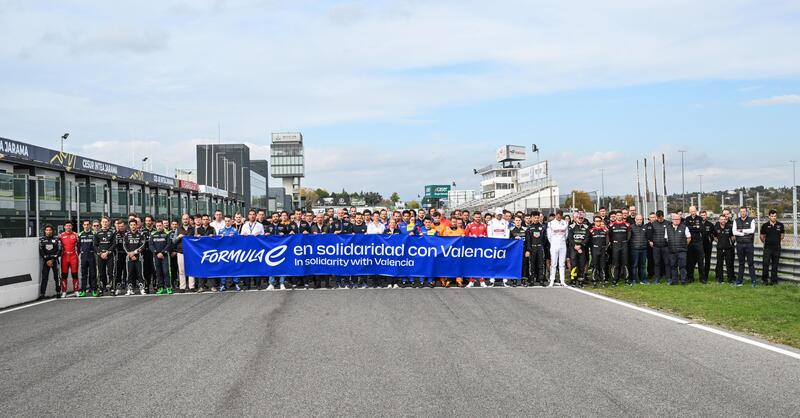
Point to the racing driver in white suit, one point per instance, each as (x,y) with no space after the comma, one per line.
(557,230)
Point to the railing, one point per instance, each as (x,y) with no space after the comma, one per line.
(788,267)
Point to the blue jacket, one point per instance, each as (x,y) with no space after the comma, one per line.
(228,232)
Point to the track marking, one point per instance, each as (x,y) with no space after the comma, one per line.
(693,325)
(747,341)
(631,306)
(27,306)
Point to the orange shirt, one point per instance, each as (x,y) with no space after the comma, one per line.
(450,232)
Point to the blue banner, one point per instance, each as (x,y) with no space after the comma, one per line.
(352,255)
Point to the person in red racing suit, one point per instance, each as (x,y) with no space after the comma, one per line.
(69,259)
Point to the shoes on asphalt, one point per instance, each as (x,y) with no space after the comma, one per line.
(395,286)
(76,294)
(470,285)
(222,289)
(63,295)
(81,294)
(160,291)
(270,287)
(238,288)
(550,285)
(505,282)
(142,292)
(169,290)
(483,285)
(129,292)
(283,287)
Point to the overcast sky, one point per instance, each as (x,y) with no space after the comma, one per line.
(393,95)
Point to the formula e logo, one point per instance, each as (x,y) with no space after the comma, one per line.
(271,256)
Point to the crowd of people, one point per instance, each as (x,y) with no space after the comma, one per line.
(613,247)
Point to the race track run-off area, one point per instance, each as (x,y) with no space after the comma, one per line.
(443,352)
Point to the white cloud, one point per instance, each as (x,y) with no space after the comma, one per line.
(775,100)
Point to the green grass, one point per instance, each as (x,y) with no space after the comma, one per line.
(769,312)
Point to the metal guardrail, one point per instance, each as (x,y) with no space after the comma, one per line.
(788,267)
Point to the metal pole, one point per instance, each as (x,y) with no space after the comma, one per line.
(794,200)
(655,184)
(602,185)
(683,183)
(664,181)
(758,210)
(638,187)
(27,208)
(741,198)
(78,209)
(37,204)
(646,190)
(700,195)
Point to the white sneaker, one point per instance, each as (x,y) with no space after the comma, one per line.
(283,287)
(142,292)
(118,292)
(389,287)
(483,284)
(470,285)
(505,282)
(550,285)
(491,281)
(395,287)
(63,295)
(270,287)
(129,292)
(75,294)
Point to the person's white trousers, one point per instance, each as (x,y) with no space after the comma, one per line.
(558,256)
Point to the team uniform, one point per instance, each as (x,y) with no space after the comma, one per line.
(88,261)
(160,243)
(725,252)
(557,236)
(620,235)
(534,245)
(598,240)
(49,251)
(104,247)
(134,242)
(69,261)
(578,252)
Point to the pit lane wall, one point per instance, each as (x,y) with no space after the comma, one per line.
(19,271)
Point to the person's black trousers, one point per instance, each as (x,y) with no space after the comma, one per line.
(770,262)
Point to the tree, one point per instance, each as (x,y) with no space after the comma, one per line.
(309,197)
(395,197)
(372,198)
(322,193)
(412,204)
(711,204)
(582,200)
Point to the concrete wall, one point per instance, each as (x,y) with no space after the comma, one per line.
(20,257)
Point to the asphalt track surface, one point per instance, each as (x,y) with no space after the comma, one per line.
(442,352)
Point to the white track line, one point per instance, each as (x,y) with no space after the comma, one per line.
(26,306)
(725,334)
(747,341)
(630,306)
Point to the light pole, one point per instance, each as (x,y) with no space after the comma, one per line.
(683,183)
(64,138)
